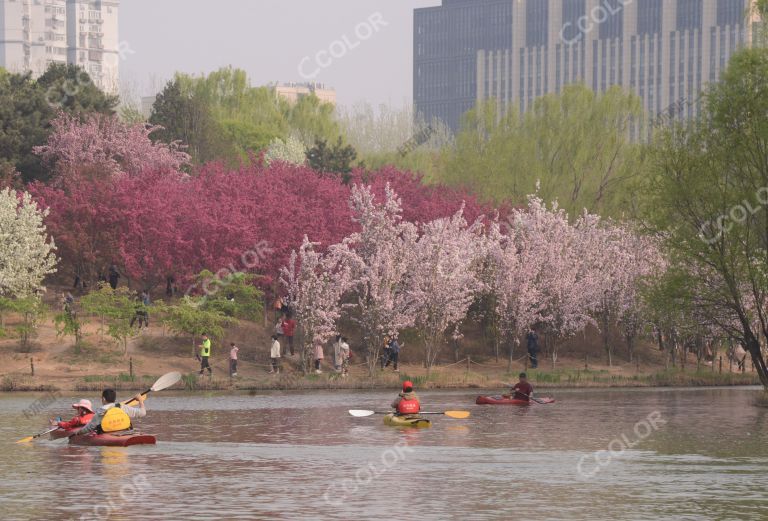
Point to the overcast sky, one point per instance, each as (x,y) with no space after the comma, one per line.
(270,38)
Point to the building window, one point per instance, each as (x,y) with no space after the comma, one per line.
(649,15)
(689,14)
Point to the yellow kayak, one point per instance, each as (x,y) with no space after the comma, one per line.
(395,420)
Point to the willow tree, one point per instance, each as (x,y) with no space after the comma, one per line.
(574,147)
(709,193)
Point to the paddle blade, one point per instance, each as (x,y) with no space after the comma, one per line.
(26,440)
(457,414)
(357,413)
(165,381)
(544,400)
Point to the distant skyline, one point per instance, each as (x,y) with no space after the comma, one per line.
(271,39)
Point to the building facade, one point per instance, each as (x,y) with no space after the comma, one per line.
(294,91)
(665,51)
(36,33)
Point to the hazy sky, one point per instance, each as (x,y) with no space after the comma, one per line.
(270,38)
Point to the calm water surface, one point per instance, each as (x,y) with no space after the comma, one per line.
(301,456)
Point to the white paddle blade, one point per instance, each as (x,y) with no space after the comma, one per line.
(167,380)
(357,413)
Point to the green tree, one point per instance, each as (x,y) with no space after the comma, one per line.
(189,317)
(68,87)
(234,296)
(336,159)
(31,308)
(708,198)
(25,117)
(574,147)
(187,119)
(115,308)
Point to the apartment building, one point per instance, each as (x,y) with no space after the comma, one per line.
(36,33)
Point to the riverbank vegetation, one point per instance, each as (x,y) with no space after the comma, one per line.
(555,221)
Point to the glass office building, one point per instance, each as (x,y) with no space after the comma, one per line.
(514,51)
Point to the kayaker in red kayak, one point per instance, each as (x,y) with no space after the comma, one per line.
(84,414)
(113,417)
(407,402)
(522,390)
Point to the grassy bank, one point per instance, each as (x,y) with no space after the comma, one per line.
(438,378)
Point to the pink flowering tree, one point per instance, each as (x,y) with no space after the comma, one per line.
(315,284)
(568,289)
(102,145)
(379,258)
(516,270)
(443,282)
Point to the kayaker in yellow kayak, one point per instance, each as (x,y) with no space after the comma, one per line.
(407,403)
(113,417)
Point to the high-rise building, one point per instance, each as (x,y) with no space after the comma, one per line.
(514,51)
(36,33)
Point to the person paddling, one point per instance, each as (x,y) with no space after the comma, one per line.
(84,415)
(522,390)
(407,403)
(113,417)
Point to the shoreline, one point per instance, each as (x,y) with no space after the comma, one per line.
(330,382)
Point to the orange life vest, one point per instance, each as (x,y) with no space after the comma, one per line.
(408,406)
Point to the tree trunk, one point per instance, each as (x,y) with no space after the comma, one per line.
(753,348)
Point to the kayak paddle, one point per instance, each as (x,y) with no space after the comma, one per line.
(358,413)
(30,438)
(164,382)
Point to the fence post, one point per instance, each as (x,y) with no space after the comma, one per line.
(637,364)
(586,362)
(743,366)
(721,364)
(466,375)
(32,365)
(130,367)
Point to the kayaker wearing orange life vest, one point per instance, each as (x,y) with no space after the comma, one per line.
(113,417)
(84,414)
(407,403)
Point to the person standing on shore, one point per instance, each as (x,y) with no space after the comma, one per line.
(532,340)
(337,358)
(233,359)
(318,357)
(289,328)
(385,353)
(274,355)
(205,354)
(394,354)
(345,354)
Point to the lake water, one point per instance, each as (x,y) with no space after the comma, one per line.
(676,454)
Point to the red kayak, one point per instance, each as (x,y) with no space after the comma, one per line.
(125,439)
(501,400)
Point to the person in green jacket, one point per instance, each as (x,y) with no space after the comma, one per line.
(205,353)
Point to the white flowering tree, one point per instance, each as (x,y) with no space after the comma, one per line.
(292,151)
(443,282)
(315,285)
(379,257)
(26,251)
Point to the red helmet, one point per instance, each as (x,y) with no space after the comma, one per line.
(407,385)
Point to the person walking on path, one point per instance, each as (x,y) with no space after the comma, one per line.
(233,359)
(274,355)
(318,357)
(337,357)
(532,340)
(289,328)
(278,329)
(205,354)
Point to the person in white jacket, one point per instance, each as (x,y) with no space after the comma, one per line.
(274,355)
